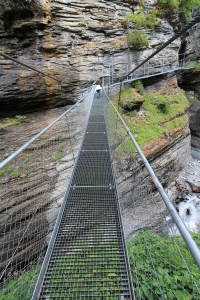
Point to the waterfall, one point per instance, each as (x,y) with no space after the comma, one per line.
(189,211)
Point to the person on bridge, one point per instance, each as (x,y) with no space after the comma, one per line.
(98,87)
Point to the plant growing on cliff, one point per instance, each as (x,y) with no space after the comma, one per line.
(59,154)
(183,7)
(130,99)
(157,273)
(137,40)
(139,86)
(156,122)
(143,20)
(18,120)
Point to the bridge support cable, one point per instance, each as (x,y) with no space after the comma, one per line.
(195,251)
(178,34)
(29,67)
(87,254)
(33,184)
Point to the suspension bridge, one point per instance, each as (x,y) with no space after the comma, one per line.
(84,255)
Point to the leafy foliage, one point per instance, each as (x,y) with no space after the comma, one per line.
(137,40)
(20,288)
(144,21)
(139,86)
(183,7)
(158,270)
(197,69)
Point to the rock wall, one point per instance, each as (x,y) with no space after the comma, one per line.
(190,80)
(72,41)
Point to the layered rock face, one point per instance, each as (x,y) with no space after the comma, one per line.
(74,41)
(190,81)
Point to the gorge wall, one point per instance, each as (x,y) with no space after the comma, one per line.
(73,41)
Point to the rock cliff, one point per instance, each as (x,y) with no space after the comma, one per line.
(72,41)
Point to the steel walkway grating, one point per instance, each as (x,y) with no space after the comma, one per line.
(88,259)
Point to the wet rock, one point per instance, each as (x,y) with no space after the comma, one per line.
(195,188)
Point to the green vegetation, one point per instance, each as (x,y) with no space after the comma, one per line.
(137,40)
(44,137)
(139,86)
(20,288)
(143,21)
(18,120)
(197,69)
(16,172)
(183,7)
(28,156)
(163,113)
(158,270)
(87,272)
(130,99)
(58,155)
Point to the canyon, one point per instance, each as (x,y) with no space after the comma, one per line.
(75,42)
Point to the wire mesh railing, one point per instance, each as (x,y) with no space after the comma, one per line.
(86,257)
(33,185)
(162,266)
(113,73)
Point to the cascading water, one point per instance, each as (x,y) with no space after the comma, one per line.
(189,211)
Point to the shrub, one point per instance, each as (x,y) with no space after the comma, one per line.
(137,40)
(139,86)
(144,21)
(158,273)
(183,7)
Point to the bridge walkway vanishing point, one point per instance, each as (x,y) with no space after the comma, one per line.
(88,259)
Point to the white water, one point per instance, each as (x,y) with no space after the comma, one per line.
(189,212)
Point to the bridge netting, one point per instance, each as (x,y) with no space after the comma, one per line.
(88,255)
(33,186)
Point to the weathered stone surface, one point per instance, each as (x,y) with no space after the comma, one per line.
(69,40)
(73,41)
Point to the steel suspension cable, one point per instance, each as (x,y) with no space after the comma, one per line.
(29,67)
(178,34)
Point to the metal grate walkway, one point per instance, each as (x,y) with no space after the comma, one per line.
(88,259)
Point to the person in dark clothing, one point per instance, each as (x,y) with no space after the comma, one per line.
(98,87)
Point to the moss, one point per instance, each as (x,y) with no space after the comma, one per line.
(156,122)
(130,99)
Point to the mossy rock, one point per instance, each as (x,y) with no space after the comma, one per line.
(130,99)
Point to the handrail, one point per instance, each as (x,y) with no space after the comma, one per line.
(195,251)
(17,152)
